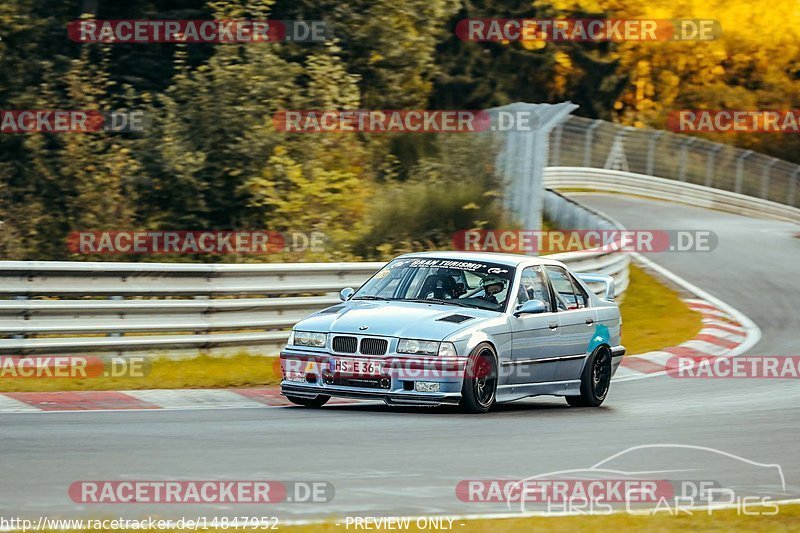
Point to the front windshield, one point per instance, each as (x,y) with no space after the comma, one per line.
(477,284)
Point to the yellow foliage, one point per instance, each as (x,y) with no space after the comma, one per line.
(327,191)
(759,45)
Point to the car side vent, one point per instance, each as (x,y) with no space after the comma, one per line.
(331,310)
(456,319)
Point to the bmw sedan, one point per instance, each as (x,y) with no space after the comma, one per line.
(473,329)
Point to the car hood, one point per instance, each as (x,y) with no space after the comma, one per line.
(393,319)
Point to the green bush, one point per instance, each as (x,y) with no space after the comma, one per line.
(455,190)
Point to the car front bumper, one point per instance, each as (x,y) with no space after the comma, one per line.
(395,385)
(301,390)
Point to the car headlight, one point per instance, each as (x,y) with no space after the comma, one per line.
(416,347)
(308,338)
(447,349)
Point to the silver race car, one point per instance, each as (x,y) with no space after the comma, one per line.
(472,329)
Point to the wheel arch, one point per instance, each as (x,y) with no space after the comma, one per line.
(597,348)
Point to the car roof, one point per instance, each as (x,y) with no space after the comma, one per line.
(502,259)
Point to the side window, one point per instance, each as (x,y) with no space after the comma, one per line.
(533,287)
(583,298)
(566,299)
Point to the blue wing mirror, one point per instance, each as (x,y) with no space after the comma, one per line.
(531,307)
(346,293)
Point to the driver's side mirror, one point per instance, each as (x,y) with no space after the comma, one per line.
(346,293)
(531,307)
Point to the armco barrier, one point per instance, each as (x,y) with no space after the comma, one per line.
(698,195)
(182,309)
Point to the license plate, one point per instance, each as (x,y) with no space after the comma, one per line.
(356,366)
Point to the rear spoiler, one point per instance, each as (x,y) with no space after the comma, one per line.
(605,279)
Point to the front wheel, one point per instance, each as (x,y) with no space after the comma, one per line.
(319,401)
(595,380)
(480,381)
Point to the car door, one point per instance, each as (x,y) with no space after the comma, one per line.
(576,322)
(535,341)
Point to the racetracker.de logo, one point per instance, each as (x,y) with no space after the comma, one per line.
(581,30)
(69,121)
(743,366)
(200,492)
(193,242)
(404,121)
(560,241)
(197,31)
(72,366)
(563,490)
(734,121)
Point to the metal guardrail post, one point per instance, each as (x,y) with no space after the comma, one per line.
(531,157)
(503,161)
(712,156)
(684,147)
(25,316)
(555,151)
(616,159)
(510,176)
(115,333)
(765,179)
(527,177)
(740,169)
(651,150)
(793,187)
(587,143)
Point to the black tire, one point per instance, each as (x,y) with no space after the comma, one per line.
(319,401)
(479,392)
(595,380)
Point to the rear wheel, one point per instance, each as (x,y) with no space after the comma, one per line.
(480,381)
(595,380)
(319,401)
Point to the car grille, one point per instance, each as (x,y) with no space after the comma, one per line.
(371,346)
(345,344)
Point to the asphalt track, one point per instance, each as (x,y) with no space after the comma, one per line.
(390,461)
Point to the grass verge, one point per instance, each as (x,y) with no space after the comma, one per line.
(718,521)
(654,316)
(202,372)
(724,520)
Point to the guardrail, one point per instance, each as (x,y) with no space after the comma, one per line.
(181,309)
(115,308)
(628,182)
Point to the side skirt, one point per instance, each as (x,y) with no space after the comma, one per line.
(508,393)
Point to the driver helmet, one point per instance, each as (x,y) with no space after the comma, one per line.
(490,280)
